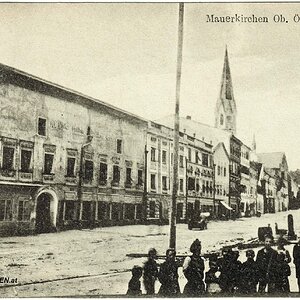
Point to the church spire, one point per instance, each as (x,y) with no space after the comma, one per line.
(225,113)
(226,91)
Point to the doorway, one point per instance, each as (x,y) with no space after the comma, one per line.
(43,214)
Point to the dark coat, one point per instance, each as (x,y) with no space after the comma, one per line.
(266,261)
(168,277)
(249,277)
(194,273)
(134,287)
(230,274)
(150,276)
(296,256)
(282,272)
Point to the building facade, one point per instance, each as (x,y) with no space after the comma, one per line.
(66,159)
(235,175)
(221,176)
(195,172)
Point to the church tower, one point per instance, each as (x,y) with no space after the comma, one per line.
(225,112)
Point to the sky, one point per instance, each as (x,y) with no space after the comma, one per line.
(125,55)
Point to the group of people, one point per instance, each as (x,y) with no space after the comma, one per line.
(268,273)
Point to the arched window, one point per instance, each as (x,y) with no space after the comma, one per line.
(221,119)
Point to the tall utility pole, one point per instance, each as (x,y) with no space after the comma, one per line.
(172,243)
(214,189)
(144,212)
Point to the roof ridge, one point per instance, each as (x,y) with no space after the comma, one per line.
(69,90)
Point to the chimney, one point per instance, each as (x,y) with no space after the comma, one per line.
(189,117)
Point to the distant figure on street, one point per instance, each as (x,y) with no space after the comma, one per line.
(282,273)
(266,261)
(281,249)
(212,278)
(168,276)
(296,256)
(193,269)
(134,285)
(150,272)
(249,277)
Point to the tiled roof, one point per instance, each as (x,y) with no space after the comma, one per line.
(271,160)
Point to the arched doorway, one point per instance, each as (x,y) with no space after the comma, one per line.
(46,211)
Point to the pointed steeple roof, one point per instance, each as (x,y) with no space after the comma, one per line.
(226,92)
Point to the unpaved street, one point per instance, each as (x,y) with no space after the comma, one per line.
(94,262)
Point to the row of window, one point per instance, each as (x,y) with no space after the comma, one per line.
(88,174)
(202,159)
(194,185)
(106,211)
(220,190)
(8,159)
(165,183)
(8,164)
(6,213)
(221,171)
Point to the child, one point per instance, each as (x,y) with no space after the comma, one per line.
(150,272)
(134,285)
(212,278)
(249,277)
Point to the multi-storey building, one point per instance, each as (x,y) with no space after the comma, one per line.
(255,202)
(200,192)
(195,190)
(235,174)
(66,159)
(247,205)
(276,163)
(221,179)
(261,188)
(160,173)
(270,190)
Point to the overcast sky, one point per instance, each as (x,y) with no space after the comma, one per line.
(125,54)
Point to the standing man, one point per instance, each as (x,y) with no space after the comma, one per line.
(266,263)
(150,272)
(296,256)
(193,269)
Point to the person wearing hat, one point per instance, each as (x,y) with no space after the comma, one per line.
(193,270)
(150,272)
(168,275)
(249,278)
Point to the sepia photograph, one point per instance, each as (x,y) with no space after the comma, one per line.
(149,150)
